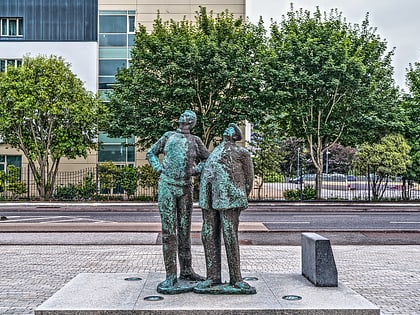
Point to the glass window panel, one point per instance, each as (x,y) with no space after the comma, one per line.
(2,158)
(2,65)
(112,24)
(20,29)
(103,95)
(15,160)
(131,24)
(18,63)
(130,153)
(104,138)
(112,12)
(110,67)
(4,27)
(107,53)
(112,40)
(130,40)
(106,82)
(112,152)
(12,27)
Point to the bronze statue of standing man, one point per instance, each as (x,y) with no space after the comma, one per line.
(226,182)
(181,152)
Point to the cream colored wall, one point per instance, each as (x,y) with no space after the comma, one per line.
(172,9)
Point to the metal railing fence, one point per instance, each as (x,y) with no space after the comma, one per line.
(86,185)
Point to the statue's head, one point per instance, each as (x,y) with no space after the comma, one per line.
(188,118)
(232,132)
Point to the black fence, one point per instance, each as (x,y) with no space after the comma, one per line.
(84,185)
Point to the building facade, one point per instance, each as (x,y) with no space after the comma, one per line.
(95,37)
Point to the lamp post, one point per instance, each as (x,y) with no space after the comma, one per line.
(326,162)
(299,174)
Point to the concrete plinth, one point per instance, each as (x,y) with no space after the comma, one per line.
(111,294)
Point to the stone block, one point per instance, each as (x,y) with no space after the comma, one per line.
(318,264)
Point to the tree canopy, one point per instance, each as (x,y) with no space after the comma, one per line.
(389,157)
(330,78)
(411,105)
(209,66)
(46,113)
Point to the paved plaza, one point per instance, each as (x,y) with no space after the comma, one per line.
(388,276)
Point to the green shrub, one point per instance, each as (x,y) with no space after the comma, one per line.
(82,191)
(129,177)
(273,177)
(308,193)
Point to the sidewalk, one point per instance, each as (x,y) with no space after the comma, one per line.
(324,206)
(388,276)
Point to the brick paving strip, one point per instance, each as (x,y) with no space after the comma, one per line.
(388,276)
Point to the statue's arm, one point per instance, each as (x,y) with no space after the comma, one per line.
(202,156)
(152,155)
(248,168)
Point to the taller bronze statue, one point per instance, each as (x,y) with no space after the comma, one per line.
(226,182)
(181,151)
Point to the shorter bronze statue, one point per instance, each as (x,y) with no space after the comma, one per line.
(226,182)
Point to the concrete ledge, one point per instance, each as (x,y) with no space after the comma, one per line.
(111,294)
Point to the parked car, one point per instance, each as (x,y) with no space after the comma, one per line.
(306,177)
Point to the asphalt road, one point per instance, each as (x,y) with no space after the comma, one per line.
(390,221)
(261,224)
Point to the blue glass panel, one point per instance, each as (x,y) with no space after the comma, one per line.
(130,40)
(112,40)
(113,24)
(106,82)
(110,67)
(15,160)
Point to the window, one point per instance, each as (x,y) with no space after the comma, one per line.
(116,38)
(131,24)
(7,63)
(11,27)
(6,160)
(118,150)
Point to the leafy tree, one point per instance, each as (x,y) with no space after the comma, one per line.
(340,158)
(47,114)
(329,77)
(210,66)
(389,157)
(411,105)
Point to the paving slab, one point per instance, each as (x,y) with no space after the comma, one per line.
(123,294)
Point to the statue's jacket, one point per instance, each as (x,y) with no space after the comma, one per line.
(227,178)
(181,152)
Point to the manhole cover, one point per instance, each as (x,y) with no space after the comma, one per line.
(133,279)
(292,297)
(153,298)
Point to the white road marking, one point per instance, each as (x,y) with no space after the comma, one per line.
(406,222)
(288,222)
(37,218)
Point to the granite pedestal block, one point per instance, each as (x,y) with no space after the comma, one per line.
(318,264)
(277,294)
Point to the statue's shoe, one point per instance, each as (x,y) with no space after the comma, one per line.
(191,276)
(177,286)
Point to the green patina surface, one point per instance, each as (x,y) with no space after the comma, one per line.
(181,152)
